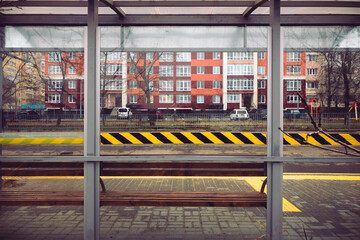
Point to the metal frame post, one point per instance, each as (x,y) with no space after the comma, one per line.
(2,42)
(275,120)
(91,123)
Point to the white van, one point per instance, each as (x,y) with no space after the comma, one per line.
(124,113)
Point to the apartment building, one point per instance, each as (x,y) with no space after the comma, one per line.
(179,80)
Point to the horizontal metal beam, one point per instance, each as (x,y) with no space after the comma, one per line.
(178,20)
(178,158)
(257,4)
(179,3)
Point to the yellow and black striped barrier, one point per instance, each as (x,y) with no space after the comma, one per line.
(194,138)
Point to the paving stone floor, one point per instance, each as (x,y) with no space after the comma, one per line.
(330,210)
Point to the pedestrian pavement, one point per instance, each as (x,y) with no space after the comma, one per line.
(328,208)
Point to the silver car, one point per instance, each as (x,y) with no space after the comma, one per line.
(239,114)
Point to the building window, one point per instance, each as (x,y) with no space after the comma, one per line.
(261,55)
(72,55)
(216,99)
(200,70)
(72,99)
(183,57)
(312,58)
(261,84)
(261,70)
(55,85)
(200,56)
(183,85)
(216,84)
(293,85)
(312,85)
(183,98)
(111,69)
(132,84)
(166,85)
(261,99)
(293,98)
(166,57)
(72,70)
(312,71)
(54,56)
(133,55)
(166,71)
(293,57)
(149,70)
(200,99)
(233,98)
(183,70)
(240,56)
(110,56)
(240,84)
(55,69)
(240,69)
(149,55)
(111,84)
(200,85)
(54,98)
(166,98)
(216,69)
(133,98)
(72,84)
(293,69)
(216,55)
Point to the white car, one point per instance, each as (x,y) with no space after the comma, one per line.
(124,113)
(239,114)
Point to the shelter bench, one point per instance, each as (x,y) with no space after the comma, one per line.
(136,198)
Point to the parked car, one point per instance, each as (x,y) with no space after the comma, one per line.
(124,113)
(239,114)
(292,113)
(28,114)
(258,114)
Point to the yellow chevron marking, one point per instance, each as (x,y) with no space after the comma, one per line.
(290,140)
(311,140)
(252,138)
(110,138)
(256,184)
(151,138)
(329,140)
(131,138)
(232,138)
(350,139)
(212,137)
(172,138)
(192,138)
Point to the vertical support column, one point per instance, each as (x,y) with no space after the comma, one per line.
(275,120)
(2,43)
(224,82)
(92,124)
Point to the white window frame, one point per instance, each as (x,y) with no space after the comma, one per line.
(183,85)
(72,84)
(293,98)
(133,98)
(183,98)
(261,99)
(216,55)
(55,85)
(149,56)
(216,70)
(312,71)
(166,85)
(54,56)
(293,56)
(72,55)
(183,70)
(312,85)
(200,84)
(72,69)
(166,57)
(111,56)
(111,69)
(200,56)
(133,84)
(293,69)
(312,58)
(240,56)
(183,57)
(216,84)
(240,69)
(166,70)
(166,98)
(240,84)
(54,98)
(261,70)
(261,84)
(54,69)
(200,99)
(216,99)
(200,70)
(71,99)
(293,85)
(233,98)
(112,84)
(261,55)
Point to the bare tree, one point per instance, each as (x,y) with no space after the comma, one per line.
(141,70)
